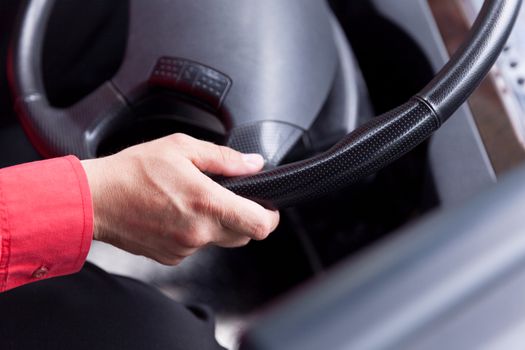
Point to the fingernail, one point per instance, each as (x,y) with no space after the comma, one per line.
(253,159)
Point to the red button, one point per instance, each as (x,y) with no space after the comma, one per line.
(41,272)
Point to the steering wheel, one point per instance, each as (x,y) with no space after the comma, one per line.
(244,61)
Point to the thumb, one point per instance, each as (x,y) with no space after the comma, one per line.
(225,161)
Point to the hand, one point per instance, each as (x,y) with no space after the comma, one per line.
(153,199)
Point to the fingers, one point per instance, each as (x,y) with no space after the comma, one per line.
(234,213)
(244,218)
(219,160)
(231,239)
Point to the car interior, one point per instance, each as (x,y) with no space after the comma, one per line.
(394,140)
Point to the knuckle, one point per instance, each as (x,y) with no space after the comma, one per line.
(203,203)
(193,241)
(223,154)
(261,230)
(227,155)
(180,138)
(206,205)
(228,218)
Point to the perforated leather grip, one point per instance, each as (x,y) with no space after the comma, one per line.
(388,137)
(359,154)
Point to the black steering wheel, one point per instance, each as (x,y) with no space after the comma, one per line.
(245,61)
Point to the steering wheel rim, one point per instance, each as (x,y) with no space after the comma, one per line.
(361,153)
(386,138)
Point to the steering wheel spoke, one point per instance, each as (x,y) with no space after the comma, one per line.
(74,130)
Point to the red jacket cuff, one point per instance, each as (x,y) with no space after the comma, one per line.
(46,220)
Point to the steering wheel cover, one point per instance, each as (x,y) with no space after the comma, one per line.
(390,136)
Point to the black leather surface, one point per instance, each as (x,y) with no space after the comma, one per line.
(383,140)
(358,155)
(271,139)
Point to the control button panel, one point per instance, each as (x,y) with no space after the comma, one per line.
(203,83)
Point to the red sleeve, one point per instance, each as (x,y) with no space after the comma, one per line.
(46,220)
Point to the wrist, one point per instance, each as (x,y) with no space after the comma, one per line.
(93,170)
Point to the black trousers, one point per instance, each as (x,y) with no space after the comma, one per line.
(96,310)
